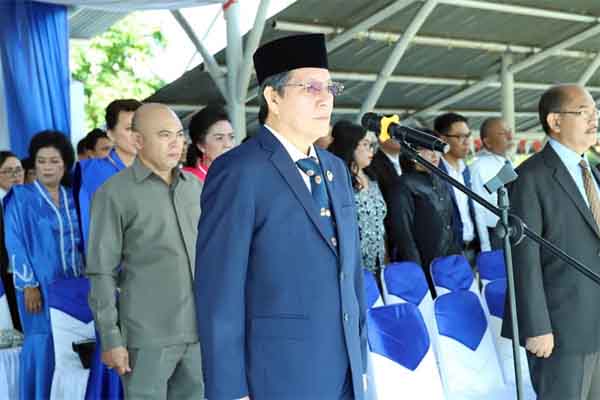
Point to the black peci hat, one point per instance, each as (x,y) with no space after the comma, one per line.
(288,53)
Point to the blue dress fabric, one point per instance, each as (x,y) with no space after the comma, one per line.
(103,384)
(89,176)
(43,241)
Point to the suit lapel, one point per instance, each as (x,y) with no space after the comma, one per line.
(335,202)
(565,180)
(288,170)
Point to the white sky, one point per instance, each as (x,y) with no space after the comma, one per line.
(180,54)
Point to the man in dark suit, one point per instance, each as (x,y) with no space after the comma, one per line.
(468,227)
(278,278)
(557,195)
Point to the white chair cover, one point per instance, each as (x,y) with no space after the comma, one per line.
(452,273)
(467,354)
(71,321)
(5,319)
(493,303)
(9,373)
(404,282)
(401,356)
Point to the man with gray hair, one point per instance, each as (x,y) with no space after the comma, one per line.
(497,140)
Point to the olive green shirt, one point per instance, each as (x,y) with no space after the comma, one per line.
(142,240)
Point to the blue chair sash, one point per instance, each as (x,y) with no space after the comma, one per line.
(495,295)
(70,296)
(491,265)
(406,280)
(398,333)
(452,272)
(459,316)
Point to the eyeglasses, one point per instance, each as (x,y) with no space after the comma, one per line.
(588,115)
(11,171)
(315,88)
(460,137)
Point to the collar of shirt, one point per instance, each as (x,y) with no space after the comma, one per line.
(393,159)
(2,194)
(487,153)
(141,172)
(114,159)
(292,150)
(570,158)
(461,166)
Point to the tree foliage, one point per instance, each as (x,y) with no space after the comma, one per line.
(115,65)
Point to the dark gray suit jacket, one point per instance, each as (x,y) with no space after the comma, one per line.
(551,295)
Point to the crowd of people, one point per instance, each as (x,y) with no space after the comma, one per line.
(238,273)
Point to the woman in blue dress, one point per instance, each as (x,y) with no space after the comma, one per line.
(43,239)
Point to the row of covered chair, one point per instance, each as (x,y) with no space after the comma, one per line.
(447,348)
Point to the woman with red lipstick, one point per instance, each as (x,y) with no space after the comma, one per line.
(212,135)
(353,145)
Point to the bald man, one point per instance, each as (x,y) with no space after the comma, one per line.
(142,240)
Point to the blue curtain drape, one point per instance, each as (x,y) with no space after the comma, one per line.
(35,61)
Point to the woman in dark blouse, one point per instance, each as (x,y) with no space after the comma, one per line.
(420,210)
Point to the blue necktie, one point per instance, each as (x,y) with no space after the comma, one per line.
(320,195)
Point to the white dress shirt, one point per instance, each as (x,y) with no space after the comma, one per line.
(485,167)
(571,161)
(462,200)
(394,160)
(295,154)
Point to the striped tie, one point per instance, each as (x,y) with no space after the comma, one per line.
(590,191)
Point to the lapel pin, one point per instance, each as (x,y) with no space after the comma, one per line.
(329,176)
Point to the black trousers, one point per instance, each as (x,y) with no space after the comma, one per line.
(11,297)
(565,376)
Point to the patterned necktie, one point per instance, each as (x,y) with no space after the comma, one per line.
(590,191)
(321,196)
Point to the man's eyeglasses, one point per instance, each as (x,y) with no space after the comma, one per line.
(459,137)
(588,115)
(316,88)
(12,171)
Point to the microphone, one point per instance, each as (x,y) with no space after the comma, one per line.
(389,127)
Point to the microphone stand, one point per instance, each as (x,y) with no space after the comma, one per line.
(509,227)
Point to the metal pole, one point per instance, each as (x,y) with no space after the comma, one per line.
(503,205)
(251,46)
(211,65)
(394,58)
(234,60)
(514,68)
(366,24)
(508,92)
(434,41)
(590,71)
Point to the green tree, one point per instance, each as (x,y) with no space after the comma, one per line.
(115,65)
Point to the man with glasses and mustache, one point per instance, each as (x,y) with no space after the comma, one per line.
(469,229)
(557,195)
(279,289)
